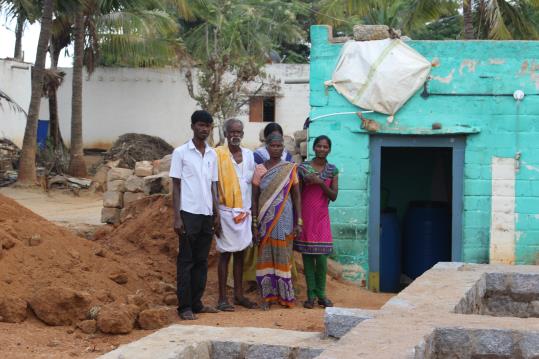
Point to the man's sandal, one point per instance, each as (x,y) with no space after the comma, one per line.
(206,309)
(246,303)
(225,307)
(187,315)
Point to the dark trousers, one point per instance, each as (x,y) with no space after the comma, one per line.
(192,261)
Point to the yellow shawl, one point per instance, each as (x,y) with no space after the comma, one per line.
(229,186)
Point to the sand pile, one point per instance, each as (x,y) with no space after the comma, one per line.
(67,280)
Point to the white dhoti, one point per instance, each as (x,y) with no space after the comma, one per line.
(236,232)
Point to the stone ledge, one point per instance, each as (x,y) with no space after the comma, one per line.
(339,321)
(198,341)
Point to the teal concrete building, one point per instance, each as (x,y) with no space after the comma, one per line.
(480,160)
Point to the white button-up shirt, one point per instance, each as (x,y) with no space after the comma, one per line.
(196,173)
(245,171)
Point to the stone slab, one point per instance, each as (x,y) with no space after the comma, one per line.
(198,341)
(339,321)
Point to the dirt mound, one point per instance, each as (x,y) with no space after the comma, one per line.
(133,147)
(38,256)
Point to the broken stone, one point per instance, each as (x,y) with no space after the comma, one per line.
(12,309)
(452,342)
(339,321)
(8,243)
(118,174)
(164,164)
(143,168)
(117,318)
(529,345)
(152,184)
(163,287)
(116,186)
(290,144)
(88,326)
(134,184)
(110,215)
(35,240)
(156,317)
(60,305)
(166,184)
(303,149)
(226,349)
(113,199)
(93,312)
(267,351)
(100,252)
(138,300)
(300,136)
(53,343)
(493,342)
(132,197)
(170,299)
(103,295)
(119,277)
(100,178)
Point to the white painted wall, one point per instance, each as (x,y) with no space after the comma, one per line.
(156,102)
(503,217)
(15,81)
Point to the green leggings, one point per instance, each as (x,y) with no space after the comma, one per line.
(315,267)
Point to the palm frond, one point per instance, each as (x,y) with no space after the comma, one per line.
(12,103)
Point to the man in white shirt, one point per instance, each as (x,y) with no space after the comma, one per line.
(196,217)
(236,169)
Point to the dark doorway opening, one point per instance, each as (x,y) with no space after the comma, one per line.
(415,207)
(415,219)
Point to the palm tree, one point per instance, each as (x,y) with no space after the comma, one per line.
(22,11)
(401,14)
(229,43)
(27,168)
(500,19)
(136,30)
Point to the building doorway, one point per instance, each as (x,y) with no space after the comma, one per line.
(415,207)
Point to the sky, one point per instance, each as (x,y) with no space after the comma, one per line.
(29,42)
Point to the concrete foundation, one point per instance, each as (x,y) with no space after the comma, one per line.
(454,310)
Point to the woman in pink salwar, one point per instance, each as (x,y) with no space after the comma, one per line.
(319,183)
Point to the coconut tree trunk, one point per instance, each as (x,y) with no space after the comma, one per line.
(19,29)
(54,121)
(27,168)
(77,167)
(468,19)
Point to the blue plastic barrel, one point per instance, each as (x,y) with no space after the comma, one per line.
(427,236)
(390,251)
(42,133)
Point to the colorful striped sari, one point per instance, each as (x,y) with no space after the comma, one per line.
(276,224)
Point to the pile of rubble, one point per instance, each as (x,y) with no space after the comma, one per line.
(9,157)
(124,186)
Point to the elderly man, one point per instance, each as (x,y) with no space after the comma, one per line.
(236,168)
(194,193)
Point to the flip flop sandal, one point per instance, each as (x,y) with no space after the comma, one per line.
(246,303)
(207,309)
(187,315)
(225,307)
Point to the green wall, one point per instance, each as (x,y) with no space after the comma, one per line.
(470,92)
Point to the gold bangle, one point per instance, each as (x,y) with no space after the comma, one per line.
(300,221)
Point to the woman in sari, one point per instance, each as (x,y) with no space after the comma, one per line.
(275,210)
(319,180)
(261,154)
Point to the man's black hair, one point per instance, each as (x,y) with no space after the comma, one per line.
(272,127)
(201,116)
